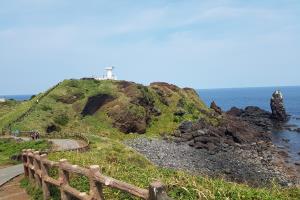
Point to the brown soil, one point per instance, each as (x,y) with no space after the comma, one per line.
(12,190)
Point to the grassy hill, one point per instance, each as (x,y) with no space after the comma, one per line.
(109,112)
(109,108)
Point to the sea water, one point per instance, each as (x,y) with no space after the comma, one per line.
(17,97)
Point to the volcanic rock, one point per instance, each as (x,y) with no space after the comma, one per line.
(277,106)
(232,131)
(216,108)
(234,111)
(255,116)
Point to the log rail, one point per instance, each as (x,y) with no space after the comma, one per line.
(36,168)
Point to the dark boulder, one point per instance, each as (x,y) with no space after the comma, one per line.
(185,126)
(234,111)
(277,106)
(253,115)
(216,108)
(231,131)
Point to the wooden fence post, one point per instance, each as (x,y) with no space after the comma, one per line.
(24,159)
(64,179)
(29,163)
(95,187)
(157,191)
(45,186)
(36,165)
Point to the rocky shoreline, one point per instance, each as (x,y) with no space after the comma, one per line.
(240,164)
(239,148)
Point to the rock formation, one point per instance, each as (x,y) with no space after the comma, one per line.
(216,108)
(231,131)
(277,106)
(255,116)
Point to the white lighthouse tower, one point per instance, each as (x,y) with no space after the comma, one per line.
(109,73)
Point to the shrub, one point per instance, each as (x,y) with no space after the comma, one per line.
(46,108)
(62,119)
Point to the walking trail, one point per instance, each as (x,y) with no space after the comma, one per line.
(9,173)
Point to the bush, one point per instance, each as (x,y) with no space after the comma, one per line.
(62,119)
(73,83)
(46,108)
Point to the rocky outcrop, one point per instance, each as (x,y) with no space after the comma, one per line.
(256,116)
(237,149)
(216,108)
(232,131)
(262,119)
(277,106)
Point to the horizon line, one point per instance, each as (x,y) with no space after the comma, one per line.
(224,88)
(247,87)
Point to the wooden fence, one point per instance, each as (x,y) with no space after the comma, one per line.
(36,168)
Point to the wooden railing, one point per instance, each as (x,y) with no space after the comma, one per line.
(36,168)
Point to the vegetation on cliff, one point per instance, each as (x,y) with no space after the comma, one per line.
(109,108)
(108,112)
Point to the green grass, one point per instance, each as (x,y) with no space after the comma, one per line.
(10,147)
(51,110)
(34,192)
(11,113)
(117,160)
(123,163)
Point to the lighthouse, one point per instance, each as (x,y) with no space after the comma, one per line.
(109,73)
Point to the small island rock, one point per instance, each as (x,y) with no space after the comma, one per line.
(277,106)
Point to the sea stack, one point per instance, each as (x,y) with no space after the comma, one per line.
(277,106)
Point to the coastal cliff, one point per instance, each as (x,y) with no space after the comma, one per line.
(113,107)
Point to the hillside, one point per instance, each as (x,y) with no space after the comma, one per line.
(111,108)
(113,113)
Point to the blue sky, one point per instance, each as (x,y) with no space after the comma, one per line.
(200,44)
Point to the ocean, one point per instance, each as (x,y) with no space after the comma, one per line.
(17,97)
(243,97)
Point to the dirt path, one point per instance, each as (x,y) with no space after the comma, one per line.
(59,144)
(12,190)
(9,173)
(65,144)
